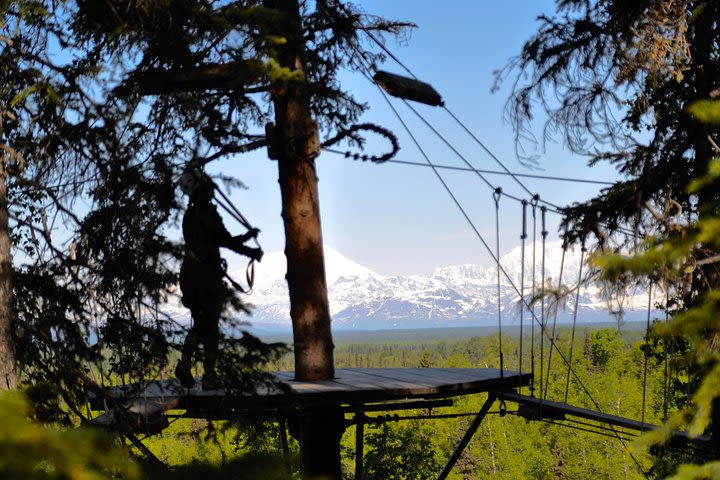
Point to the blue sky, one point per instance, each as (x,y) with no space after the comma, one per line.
(398,219)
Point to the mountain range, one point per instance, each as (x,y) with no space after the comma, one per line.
(451,296)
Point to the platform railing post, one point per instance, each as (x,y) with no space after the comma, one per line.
(460,448)
(359,443)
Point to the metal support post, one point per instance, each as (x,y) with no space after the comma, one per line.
(282,427)
(460,448)
(359,445)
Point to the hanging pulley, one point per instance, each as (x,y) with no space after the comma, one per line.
(408,88)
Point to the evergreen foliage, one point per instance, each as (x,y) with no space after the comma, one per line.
(31,451)
(673,259)
(633,84)
(103,107)
(615,80)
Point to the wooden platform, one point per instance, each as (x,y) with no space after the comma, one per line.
(352,386)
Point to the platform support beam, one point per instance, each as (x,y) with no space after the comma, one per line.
(359,444)
(150,457)
(460,448)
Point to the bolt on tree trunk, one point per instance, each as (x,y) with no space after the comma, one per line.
(8,375)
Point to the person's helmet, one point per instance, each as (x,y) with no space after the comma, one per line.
(194,182)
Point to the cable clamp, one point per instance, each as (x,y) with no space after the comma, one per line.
(502,408)
(497,194)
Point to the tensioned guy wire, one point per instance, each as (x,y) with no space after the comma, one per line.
(574,323)
(533,205)
(543,319)
(485,171)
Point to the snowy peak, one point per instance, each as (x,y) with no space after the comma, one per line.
(273,267)
(458,295)
(340,268)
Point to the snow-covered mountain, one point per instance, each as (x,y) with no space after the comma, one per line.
(459,295)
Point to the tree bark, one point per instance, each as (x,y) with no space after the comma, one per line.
(8,373)
(294,144)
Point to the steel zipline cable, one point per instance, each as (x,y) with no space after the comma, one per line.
(454,117)
(504,272)
(481,238)
(368,66)
(480,170)
(497,261)
(556,208)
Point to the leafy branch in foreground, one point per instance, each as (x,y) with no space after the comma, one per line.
(675,260)
(32,451)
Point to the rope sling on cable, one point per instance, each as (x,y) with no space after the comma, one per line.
(555,316)
(531,307)
(496,196)
(543,319)
(523,237)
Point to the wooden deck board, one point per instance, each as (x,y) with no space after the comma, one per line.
(351,386)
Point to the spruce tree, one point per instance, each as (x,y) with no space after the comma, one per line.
(623,82)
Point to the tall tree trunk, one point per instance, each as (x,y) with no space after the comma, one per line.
(293,142)
(295,145)
(8,374)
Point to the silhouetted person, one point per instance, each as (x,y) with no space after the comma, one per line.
(202,283)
